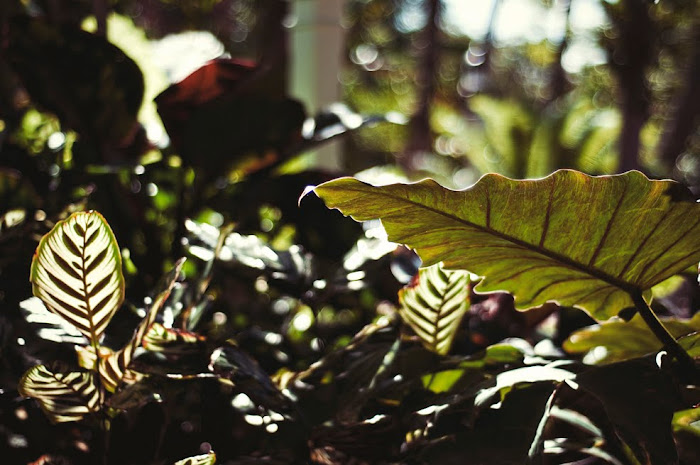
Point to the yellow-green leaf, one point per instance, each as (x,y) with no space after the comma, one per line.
(77,273)
(575,239)
(617,340)
(434,306)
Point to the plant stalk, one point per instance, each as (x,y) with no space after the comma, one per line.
(669,342)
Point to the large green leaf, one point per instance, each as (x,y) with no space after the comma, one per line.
(76,272)
(63,395)
(435,304)
(572,238)
(114,366)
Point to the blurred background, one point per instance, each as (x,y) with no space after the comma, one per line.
(518,87)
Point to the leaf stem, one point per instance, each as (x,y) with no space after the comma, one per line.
(669,342)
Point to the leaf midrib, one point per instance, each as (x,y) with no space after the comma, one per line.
(88,308)
(621,284)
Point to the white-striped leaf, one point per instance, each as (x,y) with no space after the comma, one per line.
(114,366)
(435,304)
(63,395)
(77,273)
(205,459)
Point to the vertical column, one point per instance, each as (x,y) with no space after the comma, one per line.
(317,50)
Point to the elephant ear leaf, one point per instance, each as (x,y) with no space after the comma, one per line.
(435,304)
(580,240)
(77,273)
(63,395)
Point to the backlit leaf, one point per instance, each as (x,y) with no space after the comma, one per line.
(63,395)
(571,238)
(435,305)
(76,272)
(617,340)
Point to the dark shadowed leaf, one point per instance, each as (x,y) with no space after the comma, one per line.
(640,400)
(76,272)
(222,113)
(435,304)
(579,240)
(91,85)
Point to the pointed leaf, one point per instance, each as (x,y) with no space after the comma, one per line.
(63,395)
(435,305)
(572,238)
(171,341)
(77,273)
(114,366)
(205,459)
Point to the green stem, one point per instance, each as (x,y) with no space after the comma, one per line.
(669,342)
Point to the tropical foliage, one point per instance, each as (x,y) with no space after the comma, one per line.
(545,317)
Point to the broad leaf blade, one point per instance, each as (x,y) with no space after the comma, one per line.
(435,305)
(76,272)
(571,238)
(63,395)
(114,366)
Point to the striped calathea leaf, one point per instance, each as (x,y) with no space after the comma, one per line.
(64,395)
(171,341)
(434,305)
(113,366)
(77,272)
(204,459)
(591,242)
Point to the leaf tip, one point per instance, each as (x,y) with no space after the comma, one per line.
(307,190)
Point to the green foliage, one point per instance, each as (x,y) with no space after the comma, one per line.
(76,272)
(578,240)
(617,340)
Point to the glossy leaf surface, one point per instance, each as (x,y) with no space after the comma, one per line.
(77,273)
(434,306)
(63,395)
(572,238)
